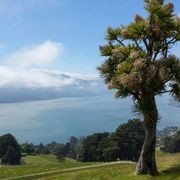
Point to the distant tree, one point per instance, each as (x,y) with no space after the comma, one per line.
(10,152)
(10,157)
(71,147)
(51,146)
(130,138)
(139,64)
(60,151)
(27,148)
(91,150)
(108,146)
(124,144)
(80,150)
(42,149)
(60,157)
(172,143)
(111,153)
(59,148)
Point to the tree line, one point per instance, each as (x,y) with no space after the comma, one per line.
(122,144)
(125,144)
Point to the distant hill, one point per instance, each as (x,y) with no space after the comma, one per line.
(168,131)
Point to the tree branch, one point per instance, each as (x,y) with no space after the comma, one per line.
(140,48)
(162,92)
(155,55)
(145,43)
(120,42)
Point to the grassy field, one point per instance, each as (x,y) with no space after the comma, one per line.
(168,164)
(37,164)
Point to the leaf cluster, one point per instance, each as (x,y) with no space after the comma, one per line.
(138,59)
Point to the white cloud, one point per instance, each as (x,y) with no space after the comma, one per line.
(37,55)
(24,76)
(35,84)
(34,78)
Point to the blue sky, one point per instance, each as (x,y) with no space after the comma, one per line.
(37,36)
(78,27)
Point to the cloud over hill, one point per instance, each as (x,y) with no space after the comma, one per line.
(35,84)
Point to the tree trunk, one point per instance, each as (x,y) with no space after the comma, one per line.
(147,161)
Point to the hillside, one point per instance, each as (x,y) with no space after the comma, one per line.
(169,166)
(33,164)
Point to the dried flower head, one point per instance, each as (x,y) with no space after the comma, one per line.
(124,32)
(138,18)
(139,64)
(134,55)
(128,80)
(117,53)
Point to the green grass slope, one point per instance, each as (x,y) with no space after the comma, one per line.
(50,169)
(33,164)
(168,164)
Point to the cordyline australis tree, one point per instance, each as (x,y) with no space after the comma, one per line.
(140,65)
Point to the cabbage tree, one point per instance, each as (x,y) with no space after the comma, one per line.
(139,64)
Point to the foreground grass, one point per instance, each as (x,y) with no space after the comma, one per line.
(36,164)
(168,164)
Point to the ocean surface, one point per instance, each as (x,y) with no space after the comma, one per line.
(57,120)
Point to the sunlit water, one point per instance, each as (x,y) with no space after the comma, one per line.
(57,120)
